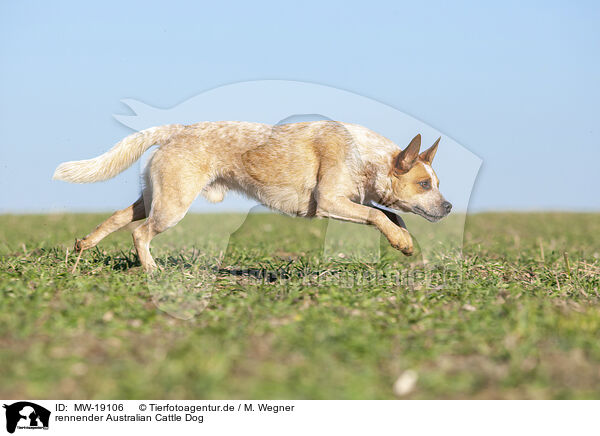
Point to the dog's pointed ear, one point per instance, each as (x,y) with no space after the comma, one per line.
(428,155)
(405,160)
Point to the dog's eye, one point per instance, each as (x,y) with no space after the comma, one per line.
(425,184)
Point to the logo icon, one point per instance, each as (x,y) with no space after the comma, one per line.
(26,415)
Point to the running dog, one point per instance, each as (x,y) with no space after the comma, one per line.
(310,169)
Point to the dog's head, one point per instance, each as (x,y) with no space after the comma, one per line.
(415,186)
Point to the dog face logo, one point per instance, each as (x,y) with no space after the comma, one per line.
(26,415)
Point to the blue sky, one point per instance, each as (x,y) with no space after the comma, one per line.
(516,83)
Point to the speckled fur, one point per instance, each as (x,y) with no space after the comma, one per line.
(312,169)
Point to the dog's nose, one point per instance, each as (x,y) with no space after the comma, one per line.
(447,206)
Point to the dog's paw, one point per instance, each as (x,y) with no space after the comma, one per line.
(79,245)
(407,250)
(152,268)
(402,241)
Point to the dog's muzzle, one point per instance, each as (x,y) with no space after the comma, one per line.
(445,209)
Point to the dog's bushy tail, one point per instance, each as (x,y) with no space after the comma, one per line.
(117,159)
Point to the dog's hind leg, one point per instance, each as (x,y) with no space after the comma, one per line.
(171,199)
(117,221)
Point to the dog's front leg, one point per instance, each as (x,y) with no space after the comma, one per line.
(343,209)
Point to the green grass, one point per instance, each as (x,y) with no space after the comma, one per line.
(282,321)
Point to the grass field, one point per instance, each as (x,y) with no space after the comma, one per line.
(279,322)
